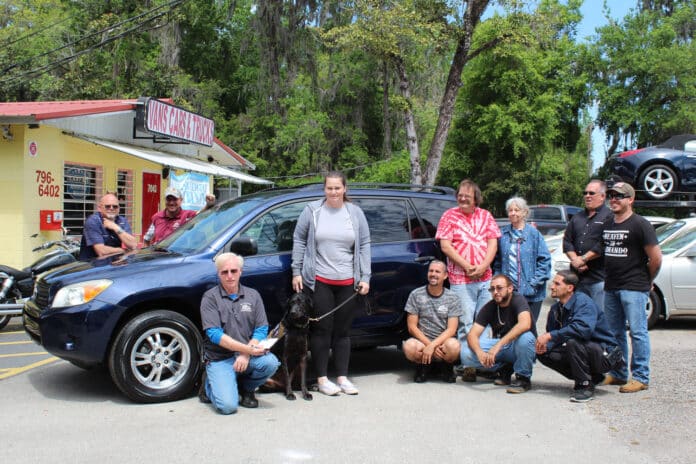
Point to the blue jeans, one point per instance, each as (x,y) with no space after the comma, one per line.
(519,353)
(221,384)
(629,305)
(594,290)
(473,296)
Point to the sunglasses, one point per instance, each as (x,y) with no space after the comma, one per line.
(497,288)
(229,271)
(587,192)
(617,196)
(110,206)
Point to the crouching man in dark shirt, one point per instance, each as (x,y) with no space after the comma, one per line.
(234,320)
(578,343)
(512,347)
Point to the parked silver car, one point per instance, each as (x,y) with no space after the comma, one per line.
(674,290)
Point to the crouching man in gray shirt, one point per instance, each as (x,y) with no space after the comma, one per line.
(433,318)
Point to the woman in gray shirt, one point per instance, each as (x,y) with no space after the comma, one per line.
(331,259)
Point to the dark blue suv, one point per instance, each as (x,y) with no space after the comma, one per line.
(139,313)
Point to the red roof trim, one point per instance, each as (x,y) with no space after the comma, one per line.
(63,109)
(231,152)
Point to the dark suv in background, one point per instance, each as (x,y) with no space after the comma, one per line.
(139,313)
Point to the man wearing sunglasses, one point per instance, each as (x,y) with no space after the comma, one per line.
(582,241)
(511,349)
(632,259)
(234,321)
(106,232)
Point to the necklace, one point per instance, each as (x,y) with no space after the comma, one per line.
(499,320)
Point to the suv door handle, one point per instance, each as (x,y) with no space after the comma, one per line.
(423,259)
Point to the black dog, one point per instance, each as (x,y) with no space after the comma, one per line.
(294,346)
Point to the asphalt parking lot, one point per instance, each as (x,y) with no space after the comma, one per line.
(56,412)
(18,353)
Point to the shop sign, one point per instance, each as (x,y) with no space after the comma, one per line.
(168,120)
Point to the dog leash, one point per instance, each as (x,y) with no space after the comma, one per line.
(317,319)
(279,330)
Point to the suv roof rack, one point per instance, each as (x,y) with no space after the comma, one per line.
(367,185)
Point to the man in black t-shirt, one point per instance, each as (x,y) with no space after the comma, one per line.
(512,347)
(632,259)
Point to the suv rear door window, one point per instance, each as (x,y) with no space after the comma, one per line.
(390,220)
(430,212)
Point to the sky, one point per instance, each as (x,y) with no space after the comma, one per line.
(593,17)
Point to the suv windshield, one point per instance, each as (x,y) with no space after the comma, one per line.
(205,228)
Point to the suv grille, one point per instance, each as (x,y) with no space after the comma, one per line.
(41,298)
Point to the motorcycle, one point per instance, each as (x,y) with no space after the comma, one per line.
(17,285)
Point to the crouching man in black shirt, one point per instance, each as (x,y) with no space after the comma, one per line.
(512,347)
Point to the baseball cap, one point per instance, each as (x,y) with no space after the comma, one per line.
(172,192)
(622,187)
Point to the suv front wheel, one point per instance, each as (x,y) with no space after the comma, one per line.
(156,357)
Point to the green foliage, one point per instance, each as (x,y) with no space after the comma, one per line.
(302,87)
(516,129)
(646,76)
(395,170)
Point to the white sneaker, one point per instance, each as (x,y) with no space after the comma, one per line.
(329,388)
(348,388)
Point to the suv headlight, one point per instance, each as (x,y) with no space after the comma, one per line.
(77,294)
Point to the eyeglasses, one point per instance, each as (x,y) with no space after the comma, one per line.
(587,192)
(229,271)
(617,196)
(110,206)
(496,288)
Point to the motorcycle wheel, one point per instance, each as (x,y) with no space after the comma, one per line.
(4,320)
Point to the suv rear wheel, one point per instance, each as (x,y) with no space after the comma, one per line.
(156,357)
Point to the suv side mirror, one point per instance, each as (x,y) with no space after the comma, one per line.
(244,246)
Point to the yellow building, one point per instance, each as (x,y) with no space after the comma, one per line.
(58,158)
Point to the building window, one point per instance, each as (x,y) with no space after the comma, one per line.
(80,186)
(124,192)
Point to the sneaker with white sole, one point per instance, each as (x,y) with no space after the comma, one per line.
(348,388)
(329,388)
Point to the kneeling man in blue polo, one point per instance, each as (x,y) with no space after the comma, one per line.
(511,348)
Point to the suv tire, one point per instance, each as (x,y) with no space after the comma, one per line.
(156,357)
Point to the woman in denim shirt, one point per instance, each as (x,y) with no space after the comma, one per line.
(523,255)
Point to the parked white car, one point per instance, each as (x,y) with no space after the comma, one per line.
(674,290)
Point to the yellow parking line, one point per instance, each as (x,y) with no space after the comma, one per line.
(19,370)
(16,355)
(14,332)
(23,342)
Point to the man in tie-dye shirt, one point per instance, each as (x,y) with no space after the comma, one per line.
(469,238)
